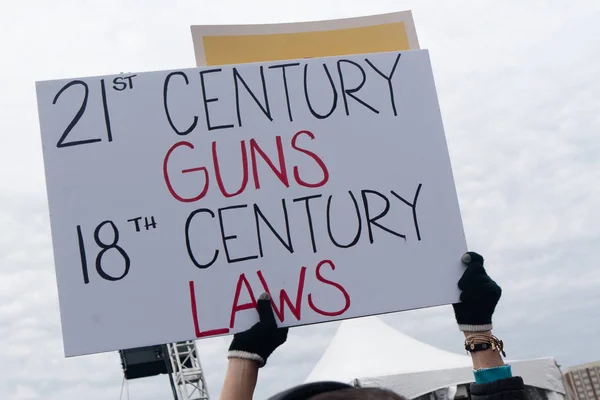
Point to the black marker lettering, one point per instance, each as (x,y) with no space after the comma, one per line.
(105,109)
(118,84)
(61,142)
(372,221)
(285,85)
(265,109)
(136,221)
(130,80)
(82,256)
(350,92)
(335,95)
(166,107)
(230,237)
(413,206)
(258,213)
(388,79)
(359,229)
(206,100)
(188,245)
(110,246)
(309,217)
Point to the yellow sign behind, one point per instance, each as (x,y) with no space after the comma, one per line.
(234,44)
(288,46)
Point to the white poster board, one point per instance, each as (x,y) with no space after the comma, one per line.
(178,197)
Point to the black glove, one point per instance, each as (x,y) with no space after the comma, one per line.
(479,297)
(258,342)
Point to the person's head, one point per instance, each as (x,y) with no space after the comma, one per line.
(335,391)
(358,394)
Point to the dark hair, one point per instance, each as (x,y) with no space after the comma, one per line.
(359,394)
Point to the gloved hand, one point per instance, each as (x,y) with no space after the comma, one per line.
(479,297)
(258,342)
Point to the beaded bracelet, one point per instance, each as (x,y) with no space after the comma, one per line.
(476,343)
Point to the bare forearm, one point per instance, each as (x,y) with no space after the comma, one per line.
(240,380)
(485,358)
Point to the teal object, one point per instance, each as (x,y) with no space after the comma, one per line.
(487,375)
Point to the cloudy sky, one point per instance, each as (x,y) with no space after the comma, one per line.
(520,96)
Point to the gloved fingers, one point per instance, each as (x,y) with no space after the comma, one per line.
(494,291)
(471,257)
(473,282)
(470,297)
(283,333)
(472,275)
(265,311)
(488,292)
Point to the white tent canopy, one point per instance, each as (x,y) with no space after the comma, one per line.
(371,353)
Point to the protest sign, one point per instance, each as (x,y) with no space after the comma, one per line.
(236,44)
(178,197)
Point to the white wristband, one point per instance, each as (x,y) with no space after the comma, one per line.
(475,328)
(246,356)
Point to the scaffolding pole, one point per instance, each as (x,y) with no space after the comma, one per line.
(187,371)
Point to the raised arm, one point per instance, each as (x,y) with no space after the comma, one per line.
(479,297)
(249,351)
(240,379)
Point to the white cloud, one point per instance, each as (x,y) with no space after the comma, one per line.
(518,89)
